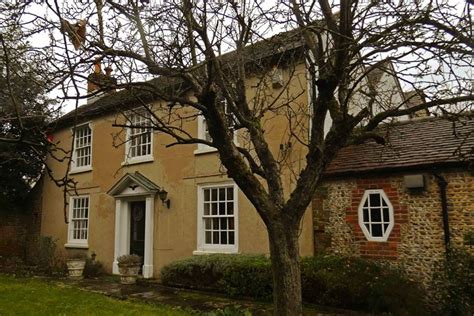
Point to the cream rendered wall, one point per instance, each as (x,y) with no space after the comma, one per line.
(179,171)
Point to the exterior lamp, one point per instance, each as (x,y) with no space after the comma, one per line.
(163,195)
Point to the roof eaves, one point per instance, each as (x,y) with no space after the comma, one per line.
(420,168)
(278,44)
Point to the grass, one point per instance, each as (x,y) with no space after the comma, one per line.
(38,297)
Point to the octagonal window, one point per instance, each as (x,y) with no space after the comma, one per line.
(376,215)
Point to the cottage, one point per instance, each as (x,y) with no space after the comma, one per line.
(404,203)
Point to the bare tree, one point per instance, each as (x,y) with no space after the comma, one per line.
(26,112)
(201,53)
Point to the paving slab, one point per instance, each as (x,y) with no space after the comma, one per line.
(153,292)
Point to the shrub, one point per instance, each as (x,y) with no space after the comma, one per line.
(247,276)
(93,268)
(42,253)
(326,280)
(14,265)
(454,280)
(356,283)
(469,238)
(237,275)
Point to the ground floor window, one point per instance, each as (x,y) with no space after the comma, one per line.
(78,220)
(217,218)
(376,215)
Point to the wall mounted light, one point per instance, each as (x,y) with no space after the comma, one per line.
(163,197)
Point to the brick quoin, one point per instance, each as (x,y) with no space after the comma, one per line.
(374,249)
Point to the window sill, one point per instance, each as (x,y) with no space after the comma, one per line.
(215,251)
(205,150)
(376,239)
(76,245)
(80,170)
(137,160)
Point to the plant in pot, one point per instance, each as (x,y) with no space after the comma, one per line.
(129,266)
(76,261)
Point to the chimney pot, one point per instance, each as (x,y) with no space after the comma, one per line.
(97,67)
(108,71)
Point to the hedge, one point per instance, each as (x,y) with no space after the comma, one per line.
(236,275)
(343,282)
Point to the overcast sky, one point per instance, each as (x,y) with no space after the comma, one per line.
(42,38)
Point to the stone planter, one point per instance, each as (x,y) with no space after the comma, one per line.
(75,268)
(129,273)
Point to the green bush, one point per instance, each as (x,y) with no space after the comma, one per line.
(237,275)
(93,268)
(469,238)
(455,282)
(360,284)
(42,253)
(326,280)
(247,276)
(196,273)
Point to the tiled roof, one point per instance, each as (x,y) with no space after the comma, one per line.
(265,49)
(116,101)
(423,143)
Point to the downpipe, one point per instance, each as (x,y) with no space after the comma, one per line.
(443,184)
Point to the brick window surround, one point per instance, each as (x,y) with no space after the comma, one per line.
(376,249)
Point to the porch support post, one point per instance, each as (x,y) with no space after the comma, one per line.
(124,236)
(148,258)
(118,206)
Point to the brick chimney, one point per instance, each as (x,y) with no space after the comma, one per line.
(108,71)
(95,78)
(98,80)
(414,98)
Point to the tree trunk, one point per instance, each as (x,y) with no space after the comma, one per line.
(284,253)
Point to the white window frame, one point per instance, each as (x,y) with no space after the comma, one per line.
(202,247)
(78,242)
(137,159)
(84,168)
(391,220)
(204,134)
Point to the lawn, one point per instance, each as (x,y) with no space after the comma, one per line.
(38,297)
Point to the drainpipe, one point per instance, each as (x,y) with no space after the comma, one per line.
(442,183)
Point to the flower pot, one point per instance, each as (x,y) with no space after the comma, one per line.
(128,273)
(75,268)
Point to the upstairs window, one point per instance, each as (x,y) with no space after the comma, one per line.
(205,133)
(203,130)
(78,221)
(82,155)
(139,138)
(376,215)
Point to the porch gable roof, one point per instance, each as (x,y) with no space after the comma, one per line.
(132,181)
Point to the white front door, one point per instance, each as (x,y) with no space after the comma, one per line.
(128,235)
